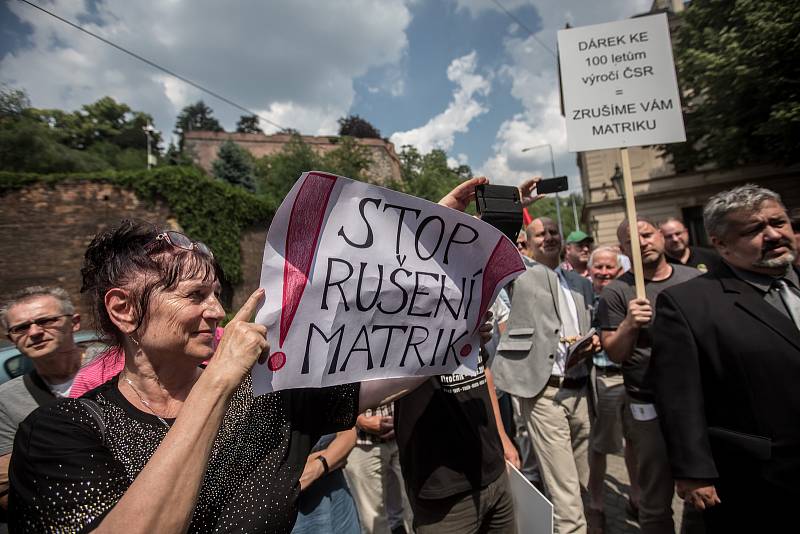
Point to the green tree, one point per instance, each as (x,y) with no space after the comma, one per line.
(355,126)
(103,121)
(428,176)
(13,102)
(349,159)
(738,64)
(99,136)
(29,146)
(546,207)
(248,124)
(174,156)
(277,173)
(234,165)
(196,117)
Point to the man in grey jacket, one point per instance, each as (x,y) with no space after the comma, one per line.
(40,321)
(550,308)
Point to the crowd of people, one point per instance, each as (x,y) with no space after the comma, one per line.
(691,383)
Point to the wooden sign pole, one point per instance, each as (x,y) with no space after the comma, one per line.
(651,102)
(630,209)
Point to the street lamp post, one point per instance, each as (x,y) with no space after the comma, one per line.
(616,182)
(558,200)
(148,132)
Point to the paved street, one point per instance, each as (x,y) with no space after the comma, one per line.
(617,485)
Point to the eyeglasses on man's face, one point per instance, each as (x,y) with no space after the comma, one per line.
(19,330)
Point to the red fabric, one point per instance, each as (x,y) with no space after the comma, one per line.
(99,371)
(105,367)
(526,217)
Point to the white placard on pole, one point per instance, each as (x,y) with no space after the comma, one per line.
(534,512)
(619,85)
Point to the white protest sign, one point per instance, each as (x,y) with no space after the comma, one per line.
(619,85)
(363,283)
(534,512)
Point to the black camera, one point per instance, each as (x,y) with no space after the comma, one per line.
(500,206)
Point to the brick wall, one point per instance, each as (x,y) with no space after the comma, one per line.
(252,247)
(44,232)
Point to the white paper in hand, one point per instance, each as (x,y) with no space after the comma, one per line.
(363,283)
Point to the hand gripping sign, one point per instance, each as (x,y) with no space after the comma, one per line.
(364,283)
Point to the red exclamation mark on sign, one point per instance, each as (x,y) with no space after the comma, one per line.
(302,236)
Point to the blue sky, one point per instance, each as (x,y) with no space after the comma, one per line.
(430,52)
(460,75)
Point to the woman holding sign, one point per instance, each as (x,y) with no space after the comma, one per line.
(166,446)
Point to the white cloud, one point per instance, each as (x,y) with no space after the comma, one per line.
(510,165)
(460,159)
(440,131)
(293,59)
(305,119)
(476,7)
(397,87)
(555,14)
(531,70)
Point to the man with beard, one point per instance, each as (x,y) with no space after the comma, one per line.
(676,246)
(726,367)
(549,309)
(625,323)
(794,214)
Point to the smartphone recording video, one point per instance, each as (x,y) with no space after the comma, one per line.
(552,185)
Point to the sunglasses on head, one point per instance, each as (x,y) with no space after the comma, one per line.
(179,240)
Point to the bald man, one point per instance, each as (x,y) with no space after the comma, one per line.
(625,321)
(549,309)
(678,251)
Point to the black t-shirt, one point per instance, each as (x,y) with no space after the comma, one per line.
(613,308)
(702,259)
(447,436)
(67,473)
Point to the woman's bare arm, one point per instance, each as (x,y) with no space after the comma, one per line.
(163,496)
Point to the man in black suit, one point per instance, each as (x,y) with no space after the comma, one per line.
(725,370)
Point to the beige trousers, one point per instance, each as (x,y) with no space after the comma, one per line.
(373,474)
(558,422)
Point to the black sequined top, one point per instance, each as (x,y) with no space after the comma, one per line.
(66,474)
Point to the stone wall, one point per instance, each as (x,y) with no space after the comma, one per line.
(203,147)
(252,247)
(44,232)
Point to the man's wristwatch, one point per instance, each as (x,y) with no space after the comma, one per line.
(325,467)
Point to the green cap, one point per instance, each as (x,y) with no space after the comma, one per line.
(577,236)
